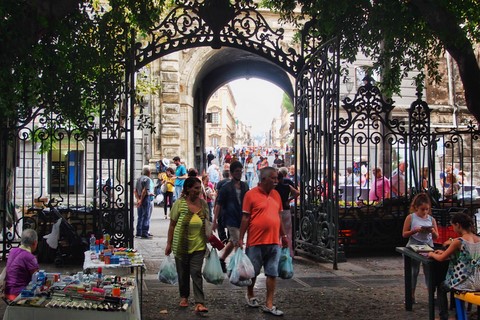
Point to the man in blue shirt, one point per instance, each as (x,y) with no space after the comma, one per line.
(143,190)
(180,176)
(229,207)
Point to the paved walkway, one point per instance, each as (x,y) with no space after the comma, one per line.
(361,277)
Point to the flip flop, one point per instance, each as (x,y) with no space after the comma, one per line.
(200,308)
(183,303)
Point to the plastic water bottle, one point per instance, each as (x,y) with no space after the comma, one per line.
(100,245)
(92,243)
(106,239)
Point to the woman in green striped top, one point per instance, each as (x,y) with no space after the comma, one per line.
(187,240)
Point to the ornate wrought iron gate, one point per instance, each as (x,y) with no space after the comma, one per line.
(316,107)
(76,170)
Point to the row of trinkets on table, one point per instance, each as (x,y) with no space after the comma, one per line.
(89,291)
(122,256)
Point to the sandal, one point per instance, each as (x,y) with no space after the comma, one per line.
(183,303)
(251,302)
(273,310)
(200,308)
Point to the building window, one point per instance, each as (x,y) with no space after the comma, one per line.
(361,72)
(65,174)
(214,142)
(215,117)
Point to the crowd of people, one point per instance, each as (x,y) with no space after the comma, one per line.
(381,187)
(236,210)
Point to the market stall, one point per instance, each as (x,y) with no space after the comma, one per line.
(81,296)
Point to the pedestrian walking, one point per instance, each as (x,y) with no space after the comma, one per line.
(288,192)
(210,157)
(187,240)
(262,222)
(168,179)
(220,223)
(180,176)
(229,207)
(250,171)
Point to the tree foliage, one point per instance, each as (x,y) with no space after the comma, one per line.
(398,35)
(66,56)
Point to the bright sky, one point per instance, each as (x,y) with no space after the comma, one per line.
(258,102)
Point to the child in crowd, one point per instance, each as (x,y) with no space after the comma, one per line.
(420,228)
(463,271)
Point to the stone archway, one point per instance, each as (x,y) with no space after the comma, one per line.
(244,45)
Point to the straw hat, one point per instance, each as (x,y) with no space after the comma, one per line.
(166,162)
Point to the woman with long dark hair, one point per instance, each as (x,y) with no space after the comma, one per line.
(187,240)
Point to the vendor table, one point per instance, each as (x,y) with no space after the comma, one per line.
(138,268)
(436,273)
(16,312)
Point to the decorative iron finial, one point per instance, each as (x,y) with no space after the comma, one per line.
(216,13)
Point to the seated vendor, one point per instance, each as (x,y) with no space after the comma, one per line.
(21,265)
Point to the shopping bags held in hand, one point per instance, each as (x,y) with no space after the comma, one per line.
(168,271)
(285,265)
(240,269)
(159,198)
(212,270)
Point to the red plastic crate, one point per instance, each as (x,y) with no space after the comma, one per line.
(445,233)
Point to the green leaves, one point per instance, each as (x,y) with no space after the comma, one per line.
(396,35)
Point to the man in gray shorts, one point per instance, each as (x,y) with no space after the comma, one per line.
(229,207)
(262,207)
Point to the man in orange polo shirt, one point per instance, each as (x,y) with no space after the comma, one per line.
(261,220)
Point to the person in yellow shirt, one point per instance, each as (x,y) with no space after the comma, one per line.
(167,179)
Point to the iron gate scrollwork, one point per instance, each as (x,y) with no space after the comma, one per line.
(316,106)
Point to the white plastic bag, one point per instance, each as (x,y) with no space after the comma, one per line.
(212,270)
(52,238)
(159,198)
(240,269)
(168,271)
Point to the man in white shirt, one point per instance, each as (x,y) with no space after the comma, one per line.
(398,180)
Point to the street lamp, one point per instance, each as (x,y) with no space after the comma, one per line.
(349,86)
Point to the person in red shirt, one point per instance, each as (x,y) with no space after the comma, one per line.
(262,222)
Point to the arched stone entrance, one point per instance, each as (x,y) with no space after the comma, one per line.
(226,65)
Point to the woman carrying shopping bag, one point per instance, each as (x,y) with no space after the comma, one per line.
(187,240)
